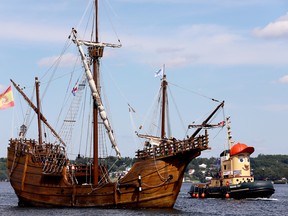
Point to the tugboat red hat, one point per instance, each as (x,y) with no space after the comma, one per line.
(241,148)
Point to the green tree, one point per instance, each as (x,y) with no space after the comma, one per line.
(3,170)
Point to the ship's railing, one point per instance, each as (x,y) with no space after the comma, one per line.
(51,156)
(22,146)
(55,161)
(172,146)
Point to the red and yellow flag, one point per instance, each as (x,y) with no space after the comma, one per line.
(6,99)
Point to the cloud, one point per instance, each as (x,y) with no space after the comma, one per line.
(192,44)
(205,44)
(276,29)
(283,79)
(32,32)
(66,60)
(223,3)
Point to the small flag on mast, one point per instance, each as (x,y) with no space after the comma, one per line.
(7,99)
(222,123)
(160,72)
(75,88)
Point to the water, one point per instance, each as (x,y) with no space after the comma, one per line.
(276,205)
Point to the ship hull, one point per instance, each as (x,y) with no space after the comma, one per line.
(150,183)
(257,189)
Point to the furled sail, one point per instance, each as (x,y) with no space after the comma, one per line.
(95,92)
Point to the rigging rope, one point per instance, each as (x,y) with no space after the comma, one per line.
(177,110)
(134,128)
(156,115)
(130,108)
(86,9)
(91,16)
(27,120)
(110,20)
(169,133)
(55,65)
(101,180)
(107,105)
(83,120)
(194,92)
(68,92)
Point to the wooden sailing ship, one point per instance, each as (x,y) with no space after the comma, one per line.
(41,173)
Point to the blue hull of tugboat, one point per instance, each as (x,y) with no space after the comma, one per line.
(257,189)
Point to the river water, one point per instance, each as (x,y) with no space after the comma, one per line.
(276,205)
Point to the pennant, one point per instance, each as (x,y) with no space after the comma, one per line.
(6,99)
(160,72)
(222,123)
(75,88)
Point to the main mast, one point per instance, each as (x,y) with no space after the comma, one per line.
(95,50)
(96,53)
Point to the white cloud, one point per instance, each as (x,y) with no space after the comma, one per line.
(206,44)
(66,60)
(276,29)
(283,79)
(32,32)
(223,3)
(192,44)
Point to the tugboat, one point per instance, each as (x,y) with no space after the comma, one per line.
(234,179)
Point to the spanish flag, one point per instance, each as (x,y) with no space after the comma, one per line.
(6,99)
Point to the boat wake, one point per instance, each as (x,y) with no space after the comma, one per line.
(262,199)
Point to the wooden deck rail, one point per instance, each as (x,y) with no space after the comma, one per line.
(169,147)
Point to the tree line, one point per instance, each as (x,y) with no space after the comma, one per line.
(263,167)
(271,167)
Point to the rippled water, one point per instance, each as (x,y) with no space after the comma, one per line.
(185,205)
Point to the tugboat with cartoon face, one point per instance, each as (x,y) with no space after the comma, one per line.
(234,179)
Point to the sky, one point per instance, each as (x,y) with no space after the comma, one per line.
(224,49)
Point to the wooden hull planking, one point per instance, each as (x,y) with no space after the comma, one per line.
(150,183)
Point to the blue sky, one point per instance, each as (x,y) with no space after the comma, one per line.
(225,49)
